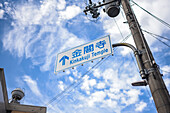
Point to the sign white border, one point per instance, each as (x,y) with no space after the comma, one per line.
(69,53)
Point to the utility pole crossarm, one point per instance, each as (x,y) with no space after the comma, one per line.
(100,5)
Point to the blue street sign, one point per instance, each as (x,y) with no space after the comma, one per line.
(84,53)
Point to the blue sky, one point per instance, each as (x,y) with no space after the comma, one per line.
(33,32)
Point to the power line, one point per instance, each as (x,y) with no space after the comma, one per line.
(92,20)
(123,39)
(118,28)
(85,2)
(156,35)
(165,71)
(160,41)
(60,94)
(128,36)
(156,38)
(149,95)
(160,20)
(156,85)
(72,85)
(97,64)
(82,79)
(122,13)
(64,91)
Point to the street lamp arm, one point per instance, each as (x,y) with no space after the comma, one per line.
(125,44)
(137,56)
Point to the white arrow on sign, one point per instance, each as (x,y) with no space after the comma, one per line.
(83,53)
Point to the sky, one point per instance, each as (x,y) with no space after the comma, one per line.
(33,32)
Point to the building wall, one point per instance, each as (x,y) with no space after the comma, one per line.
(6,107)
(19,112)
(2,103)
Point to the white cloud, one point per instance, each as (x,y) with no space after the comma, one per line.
(40,34)
(1,13)
(61,85)
(132,96)
(92,82)
(165,69)
(167,83)
(115,87)
(110,75)
(140,106)
(88,84)
(6,3)
(145,20)
(72,40)
(1,5)
(97,96)
(43,14)
(37,35)
(61,4)
(67,72)
(151,99)
(70,12)
(125,51)
(71,79)
(115,95)
(148,22)
(101,85)
(97,73)
(110,26)
(32,85)
(76,73)
(110,103)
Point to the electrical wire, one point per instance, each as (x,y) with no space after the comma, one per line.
(97,64)
(156,35)
(118,28)
(122,13)
(134,62)
(60,94)
(165,71)
(149,96)
(82,79)
(71,85)
(133,59)
(92,20)
(125,38)
(161,41)
(160,20)
(85,2)
(156,38)
(77,81)
(148,52)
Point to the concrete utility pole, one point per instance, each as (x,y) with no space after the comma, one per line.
(149,70)
(152,74)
